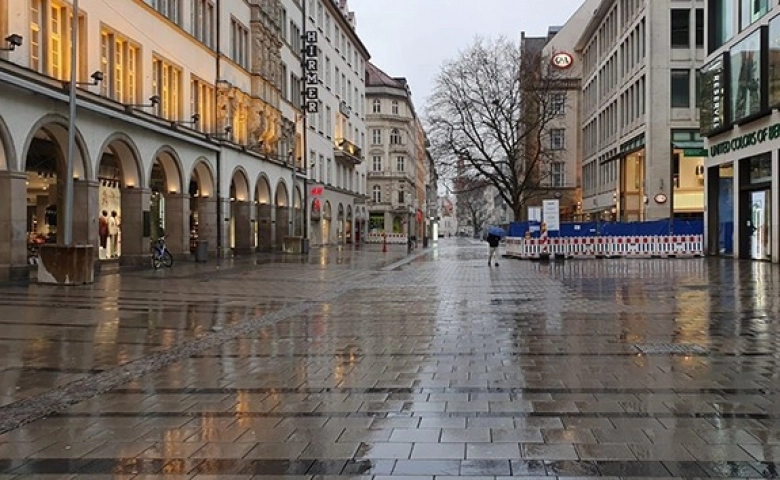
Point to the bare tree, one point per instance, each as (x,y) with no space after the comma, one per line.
(489,115)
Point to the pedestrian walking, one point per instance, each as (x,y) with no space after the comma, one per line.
(493,241)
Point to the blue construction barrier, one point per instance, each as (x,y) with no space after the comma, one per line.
(612,229)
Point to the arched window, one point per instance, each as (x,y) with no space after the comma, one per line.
(395,107)
(377,194)
(377,106)
(395,137)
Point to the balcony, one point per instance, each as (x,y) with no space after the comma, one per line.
(347,151)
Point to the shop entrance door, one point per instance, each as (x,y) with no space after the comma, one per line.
(760,225)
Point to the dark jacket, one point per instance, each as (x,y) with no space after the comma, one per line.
(493,240)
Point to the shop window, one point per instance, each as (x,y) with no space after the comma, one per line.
(681,88)
(745,81)
(681,28)
(711,95)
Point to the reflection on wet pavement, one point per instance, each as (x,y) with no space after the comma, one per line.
(359,363)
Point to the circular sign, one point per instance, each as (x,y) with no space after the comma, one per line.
(660,198)
(562,60)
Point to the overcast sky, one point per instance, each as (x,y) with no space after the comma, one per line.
(412,38)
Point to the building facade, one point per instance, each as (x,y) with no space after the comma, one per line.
(183,132)
(336,136)
(563,180)
(740,93)
(188,124)
(642,153)
(397,156)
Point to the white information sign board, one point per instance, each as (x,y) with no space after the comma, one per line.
(551,215)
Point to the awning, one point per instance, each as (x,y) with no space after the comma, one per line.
(691,148)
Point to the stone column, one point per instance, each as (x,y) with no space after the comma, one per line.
(177,224)
(265,230)
(85,217)
(13,227)
(207,222)
(135,226)
(243,227)
(224,204)
(282,226)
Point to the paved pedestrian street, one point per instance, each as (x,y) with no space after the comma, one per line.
(355,363)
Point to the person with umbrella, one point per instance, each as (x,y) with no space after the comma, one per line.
(494,238)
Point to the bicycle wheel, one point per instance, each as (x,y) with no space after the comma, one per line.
(166,258)
(156,261)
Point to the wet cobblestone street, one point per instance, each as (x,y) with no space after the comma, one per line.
(360,364)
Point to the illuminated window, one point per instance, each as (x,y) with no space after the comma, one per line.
(50,37)
(202,103)
(166,83)
(118,62)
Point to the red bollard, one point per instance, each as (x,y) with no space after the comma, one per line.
(384,243)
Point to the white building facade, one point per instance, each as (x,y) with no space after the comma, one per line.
(642,153)
(740,93)
(337,131)
(564,178)
(189,124)
(396,169)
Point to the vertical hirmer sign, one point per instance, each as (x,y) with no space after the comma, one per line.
(311,93)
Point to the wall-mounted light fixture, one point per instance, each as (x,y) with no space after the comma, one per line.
(221,135)
(195,118)
(97,77)
(14,40)
(153,101)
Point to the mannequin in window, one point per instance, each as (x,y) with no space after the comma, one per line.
(103,233)
(113,233)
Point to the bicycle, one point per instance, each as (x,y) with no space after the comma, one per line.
(161,256)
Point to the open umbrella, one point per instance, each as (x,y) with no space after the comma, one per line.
(497,231)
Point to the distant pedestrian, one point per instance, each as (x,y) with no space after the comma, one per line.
(493,241)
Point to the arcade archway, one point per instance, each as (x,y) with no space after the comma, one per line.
(264,215)
(240,213)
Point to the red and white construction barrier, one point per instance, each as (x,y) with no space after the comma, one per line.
(392,238)
(592,247)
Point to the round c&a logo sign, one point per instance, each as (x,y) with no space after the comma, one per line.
(562,60)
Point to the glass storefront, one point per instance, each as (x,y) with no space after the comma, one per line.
(726,210)
(745,77)
(760,225)
(109,220)
(376,223)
